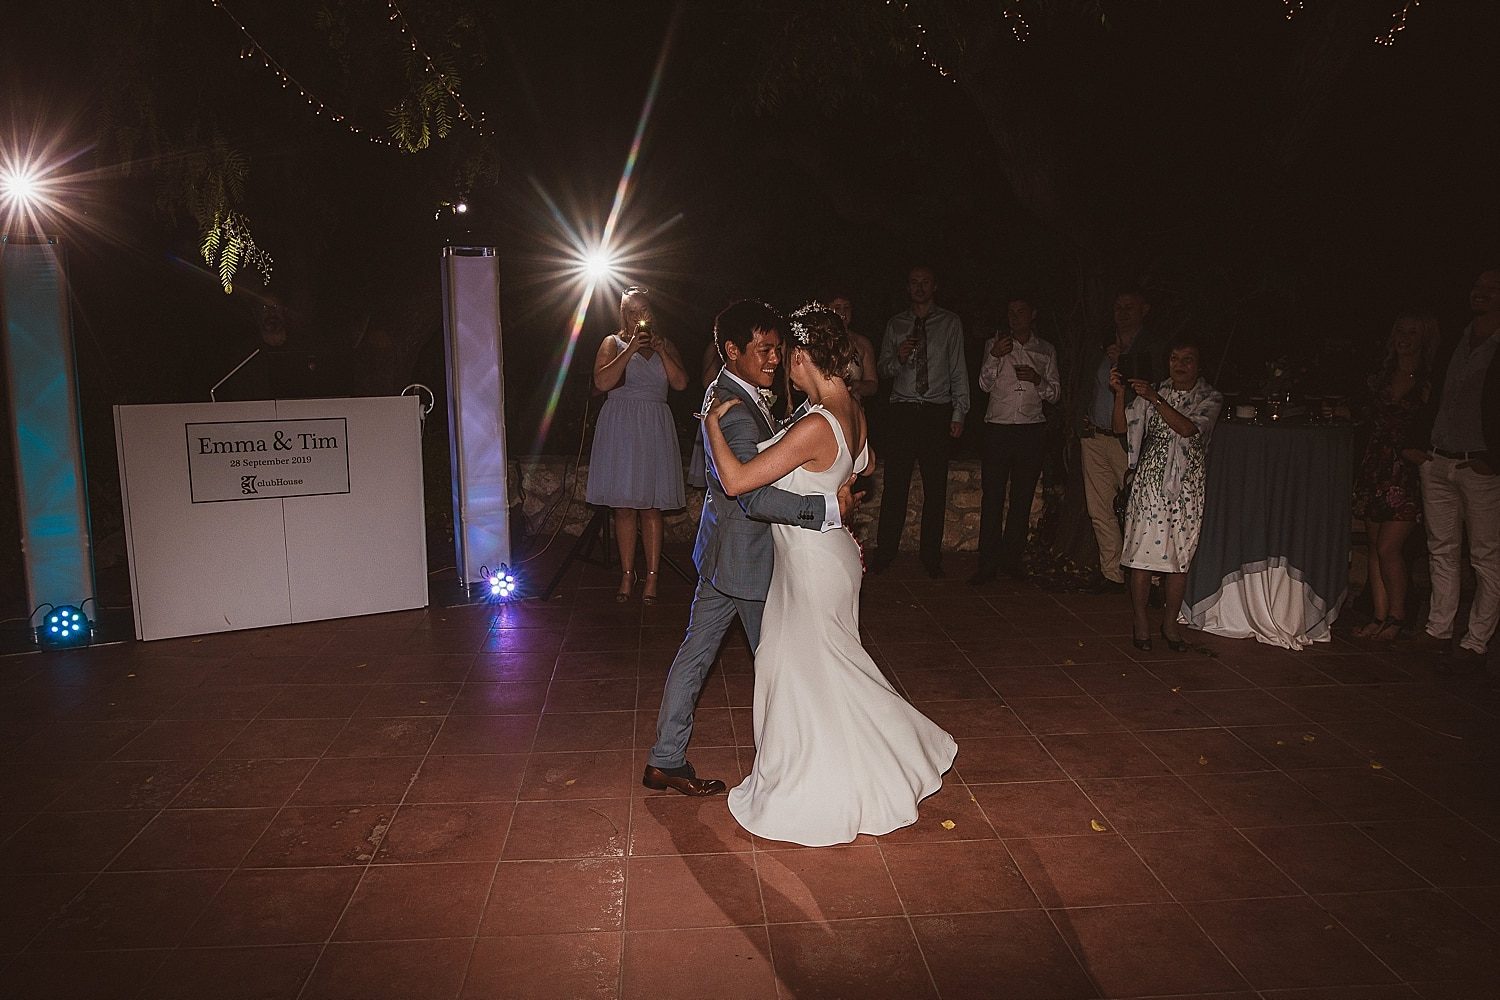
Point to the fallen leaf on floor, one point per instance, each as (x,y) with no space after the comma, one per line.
(1308,737)
(1202,759)
(1067,663)
(130,675)
(1281,743)
(947,824)
(1376,765)
(571,781)
(1097,826)
(1177,688)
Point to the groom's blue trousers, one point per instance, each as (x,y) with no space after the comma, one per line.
(712,612)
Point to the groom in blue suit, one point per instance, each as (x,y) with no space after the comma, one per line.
(733,551)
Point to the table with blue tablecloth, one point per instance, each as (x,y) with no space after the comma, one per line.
(1273,558)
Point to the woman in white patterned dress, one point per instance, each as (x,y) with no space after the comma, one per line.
(838,751)
(1167,429)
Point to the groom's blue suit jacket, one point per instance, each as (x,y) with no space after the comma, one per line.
(733,549)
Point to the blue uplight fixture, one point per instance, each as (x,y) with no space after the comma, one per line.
(66,627)
(502,583)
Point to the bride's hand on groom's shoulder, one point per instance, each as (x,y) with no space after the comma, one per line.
(721,407)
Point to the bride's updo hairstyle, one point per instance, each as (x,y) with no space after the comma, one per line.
(818,331)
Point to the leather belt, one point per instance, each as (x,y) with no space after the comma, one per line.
(1462,456)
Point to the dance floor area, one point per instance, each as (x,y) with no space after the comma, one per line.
(447,803)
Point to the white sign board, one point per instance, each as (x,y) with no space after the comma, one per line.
(261,459)
(348,539)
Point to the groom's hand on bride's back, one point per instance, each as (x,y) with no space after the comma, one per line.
(848,499)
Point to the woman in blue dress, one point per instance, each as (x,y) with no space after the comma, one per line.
(635,466)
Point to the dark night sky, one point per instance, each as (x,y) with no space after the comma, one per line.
(1393,201)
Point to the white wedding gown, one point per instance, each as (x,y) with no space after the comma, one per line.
(838,751)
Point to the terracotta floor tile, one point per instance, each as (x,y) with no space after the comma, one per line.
(1448,852)
(971,955)
(589,666)
(1031,682)
(924,875)
(1333,857)
(33,785)
(86,975)
(1362,793)
(555,897)
(1343,993)
(406,902)
(1036,808)
(1048,716)
(1286,943)
(276,906)
(1210,864)
(284,738)
(397,700)
(1116,677)
(712,727)
(820,884)
(476,734)
(1294,747)
(59,741)
(870,959)
(356,780)
(1203,751)
(654,969)
(1483,902)
(1103,755)
(1245,708)
(390,970)
(127,785)
(1150,805)
(1421,934)
(1197,674)
(599,774)
(470,778)
(614,694)
(385,737)
(948,814)
(316,701)
(1146,950)
(570,828)
(492,668)
(1085,871)
(677,824)
(943,685)
(1145,711)
(193,740)
(131,910)
(1009,758)
(500,698)
(231,784)
(545,967)
(28,902)
(321,836)
(233,973)
(195,838)
(1327,703)
(1260,799)
(974,718)
(70,842)
(438,832)
(701,890)
(586,731)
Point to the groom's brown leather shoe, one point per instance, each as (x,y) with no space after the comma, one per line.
(680,779)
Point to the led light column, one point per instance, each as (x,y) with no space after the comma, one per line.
(476,413)
(44,421)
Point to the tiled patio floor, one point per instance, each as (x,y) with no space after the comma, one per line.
(447,803)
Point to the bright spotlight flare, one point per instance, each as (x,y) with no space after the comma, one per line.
(502,582)
(20,187)
(599,265)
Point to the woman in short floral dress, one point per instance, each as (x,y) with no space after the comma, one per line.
(1388,490)
(1167,429)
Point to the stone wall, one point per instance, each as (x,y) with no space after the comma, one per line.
(541,480)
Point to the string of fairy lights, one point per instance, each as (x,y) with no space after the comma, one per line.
(476,122)
(253,50)
(1017,22)
(1291,8)
(917,33)
(1398,23)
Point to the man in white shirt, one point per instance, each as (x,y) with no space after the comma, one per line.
(1457,446)
(1020,374)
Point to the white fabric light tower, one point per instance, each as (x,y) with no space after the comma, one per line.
(476,410)
(44,420)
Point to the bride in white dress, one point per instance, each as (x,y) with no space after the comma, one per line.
(838,751)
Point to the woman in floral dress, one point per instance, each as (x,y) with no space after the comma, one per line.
(1388,490)
(1167,429)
